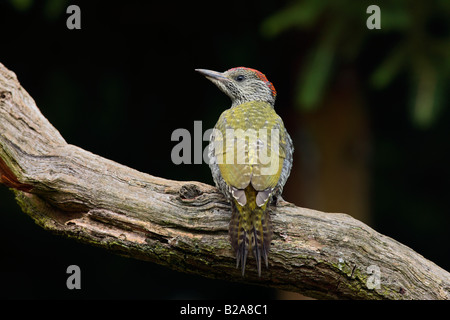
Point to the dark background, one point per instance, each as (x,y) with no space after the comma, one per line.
(123,83)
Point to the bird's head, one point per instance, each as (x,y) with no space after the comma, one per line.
(242,85)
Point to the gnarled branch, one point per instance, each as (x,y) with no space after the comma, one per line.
(183,225)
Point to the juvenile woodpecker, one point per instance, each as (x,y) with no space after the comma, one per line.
(250,158)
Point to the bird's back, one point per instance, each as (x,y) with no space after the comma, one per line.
(250,149)
(251,145)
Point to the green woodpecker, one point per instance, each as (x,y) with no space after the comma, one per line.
(250,158)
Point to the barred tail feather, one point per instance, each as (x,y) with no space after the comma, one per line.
(262,235)
(238,237)
(250,231)
(267,236)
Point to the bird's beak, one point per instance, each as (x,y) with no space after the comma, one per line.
(212,75)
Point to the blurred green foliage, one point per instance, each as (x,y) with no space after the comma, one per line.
(51,9)
(21,5)
(422,48)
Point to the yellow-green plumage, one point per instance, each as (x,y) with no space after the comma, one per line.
(247,123)
(250,158)
(255,166)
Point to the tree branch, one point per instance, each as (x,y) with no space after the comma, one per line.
(183,225)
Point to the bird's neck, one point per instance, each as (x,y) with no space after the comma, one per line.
(238,102)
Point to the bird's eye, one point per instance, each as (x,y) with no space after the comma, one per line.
(240,78)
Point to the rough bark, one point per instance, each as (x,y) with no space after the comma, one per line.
(183,225)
